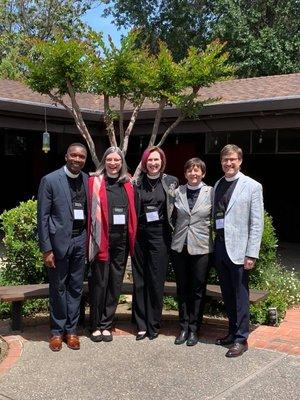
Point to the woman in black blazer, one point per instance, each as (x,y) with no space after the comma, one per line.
(155,193)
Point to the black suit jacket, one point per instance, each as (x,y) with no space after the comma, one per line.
(55,212)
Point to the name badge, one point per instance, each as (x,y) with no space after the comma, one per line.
(220,223)
(119,216)
(78,214)
(152,214)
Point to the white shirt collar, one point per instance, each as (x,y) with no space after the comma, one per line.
(69,173)
(112,175)
(233,178)
(195,187)
(153,176)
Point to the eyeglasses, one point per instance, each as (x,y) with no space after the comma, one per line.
(225,160)
(116,160)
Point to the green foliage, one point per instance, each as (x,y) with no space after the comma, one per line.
(282,285)
(52,65)
(23,21)
(263,36)
(170,303)
(23,261)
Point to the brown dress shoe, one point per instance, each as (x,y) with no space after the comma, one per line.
(72,341)
(237,349)
(55,343)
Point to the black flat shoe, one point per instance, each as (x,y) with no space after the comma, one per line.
(107,338)
(193,339)
(96,338)
(153,336)
(225,341)
(141,336)
(181,338)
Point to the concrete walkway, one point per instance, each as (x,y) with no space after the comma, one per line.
(130,370)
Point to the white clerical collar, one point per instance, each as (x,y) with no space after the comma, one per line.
(233,178)
(153,176)
(195,187)
(112,175)
(69,173)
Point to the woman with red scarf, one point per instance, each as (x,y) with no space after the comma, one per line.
(112,229)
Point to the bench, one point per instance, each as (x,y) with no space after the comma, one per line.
(16,295)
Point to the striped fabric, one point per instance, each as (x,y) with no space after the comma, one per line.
(96,220)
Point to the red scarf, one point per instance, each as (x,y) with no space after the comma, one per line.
(98,219)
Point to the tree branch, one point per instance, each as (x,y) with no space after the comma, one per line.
(157,120)
(81,124)
(131,125)
(121,121)
(109,122)
(170,129)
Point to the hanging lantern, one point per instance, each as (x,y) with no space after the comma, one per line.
(46,142)
(46,137)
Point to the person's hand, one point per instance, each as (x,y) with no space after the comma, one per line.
(249,263)
(49,259)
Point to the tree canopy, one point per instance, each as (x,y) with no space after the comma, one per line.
(263,36)
(22,20)
(129,74)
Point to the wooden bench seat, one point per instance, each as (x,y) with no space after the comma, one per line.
(16,295)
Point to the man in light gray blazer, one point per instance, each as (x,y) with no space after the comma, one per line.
(238,215)
(62,205)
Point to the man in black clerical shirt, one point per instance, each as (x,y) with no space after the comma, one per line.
(238,216)
(62,205)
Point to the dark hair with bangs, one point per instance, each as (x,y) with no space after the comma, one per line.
(195,162)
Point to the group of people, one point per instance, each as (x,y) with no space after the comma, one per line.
(107,216)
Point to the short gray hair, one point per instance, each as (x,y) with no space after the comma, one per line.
(123,175)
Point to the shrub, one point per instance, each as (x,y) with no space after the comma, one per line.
(23,261)
(283,286)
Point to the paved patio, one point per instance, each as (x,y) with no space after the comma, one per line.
(126,369)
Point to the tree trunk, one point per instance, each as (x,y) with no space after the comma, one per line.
(121,121)
(157,120)
(130,126)
(80,124)
(109,122)
(170,129)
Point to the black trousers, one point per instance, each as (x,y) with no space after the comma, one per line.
(191,279)
(65,287)
(106,282)
(235,292)
(149,268)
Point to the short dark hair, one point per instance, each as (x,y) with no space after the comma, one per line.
(195,162)
(77,145)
